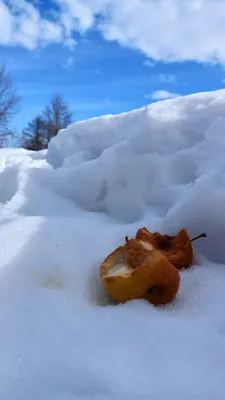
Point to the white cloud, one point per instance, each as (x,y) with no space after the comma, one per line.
(22,24)
(171,30)
(5,24)
(166,30)
(162,95)
(76,15)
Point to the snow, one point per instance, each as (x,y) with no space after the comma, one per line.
(65,209)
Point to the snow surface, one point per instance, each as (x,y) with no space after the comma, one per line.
(64,210)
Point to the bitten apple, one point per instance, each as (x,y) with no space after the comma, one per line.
(177,249)
(138,271)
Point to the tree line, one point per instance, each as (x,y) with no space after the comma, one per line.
(41,129)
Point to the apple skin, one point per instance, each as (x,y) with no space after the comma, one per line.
(177,249)
(138,271)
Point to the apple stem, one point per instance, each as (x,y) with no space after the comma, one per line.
(198,237)
(126,238)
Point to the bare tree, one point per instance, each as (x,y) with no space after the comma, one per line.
(8,103)
(56,116)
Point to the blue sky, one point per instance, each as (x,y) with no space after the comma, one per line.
(96,75)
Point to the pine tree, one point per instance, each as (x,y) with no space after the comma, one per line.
(34,135)
(43,128)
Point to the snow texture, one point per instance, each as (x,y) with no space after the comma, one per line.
(65,209)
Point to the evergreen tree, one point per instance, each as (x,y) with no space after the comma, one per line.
(43,128)
(34,135)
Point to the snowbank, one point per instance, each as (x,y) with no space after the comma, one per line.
(162,164)
(63,211)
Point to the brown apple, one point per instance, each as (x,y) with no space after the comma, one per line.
(177,249)
(138,271)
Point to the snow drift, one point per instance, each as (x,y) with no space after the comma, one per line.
(63,211)
(163,165)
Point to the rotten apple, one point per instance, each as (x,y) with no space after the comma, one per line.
(139,271)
